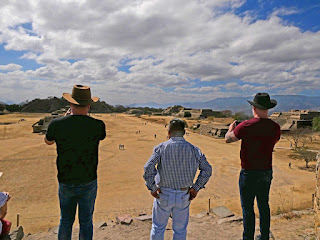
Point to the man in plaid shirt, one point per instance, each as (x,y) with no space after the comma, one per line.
(169,175)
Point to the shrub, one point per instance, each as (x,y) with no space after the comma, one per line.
(187,114)
(316,124)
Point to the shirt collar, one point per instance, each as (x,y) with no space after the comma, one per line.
(177,139)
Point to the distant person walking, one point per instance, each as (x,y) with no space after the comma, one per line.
(258,135)
(171,182)
(77,137)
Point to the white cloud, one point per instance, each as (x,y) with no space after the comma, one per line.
(168,43)
(10,67)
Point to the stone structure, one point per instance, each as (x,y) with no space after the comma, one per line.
(42,125)
(213,130)
(5,111)
(196,113)
(294,119)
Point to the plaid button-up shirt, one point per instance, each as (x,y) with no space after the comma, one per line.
(174,164)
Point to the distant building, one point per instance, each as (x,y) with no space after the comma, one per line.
(294,119)
(196,113)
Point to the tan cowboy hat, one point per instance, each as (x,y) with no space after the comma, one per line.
(81,95)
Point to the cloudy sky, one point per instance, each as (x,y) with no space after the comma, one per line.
(135,51)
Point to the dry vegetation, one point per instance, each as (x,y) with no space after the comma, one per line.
(29,171)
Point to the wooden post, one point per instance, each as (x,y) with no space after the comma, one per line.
(18,219)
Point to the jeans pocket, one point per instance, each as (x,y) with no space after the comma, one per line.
(163,200)
(183,201)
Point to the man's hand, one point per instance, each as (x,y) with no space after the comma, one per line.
(193,194)
(8,194)
(230,137)
(232,126)
(68,112)
(156,193)
(48,142)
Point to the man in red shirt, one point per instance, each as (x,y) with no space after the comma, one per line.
(258,135)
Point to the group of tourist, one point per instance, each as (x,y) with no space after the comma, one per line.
(169,173)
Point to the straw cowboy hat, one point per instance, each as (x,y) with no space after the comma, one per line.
(81,95)
(262,101)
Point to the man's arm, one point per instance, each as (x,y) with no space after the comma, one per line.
(48,142)
(49,138)
(150,172)
(203,177)
(230,137)
(3,211)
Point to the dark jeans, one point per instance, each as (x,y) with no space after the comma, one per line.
(255,183)
(71,195)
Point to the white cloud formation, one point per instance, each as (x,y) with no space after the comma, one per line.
(10,67)
(168,45)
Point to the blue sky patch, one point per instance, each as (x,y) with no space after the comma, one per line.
(304,13)
(11,56)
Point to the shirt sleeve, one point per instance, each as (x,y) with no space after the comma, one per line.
(50,135)
(205,171)
(239,131)
(103,131)
(150,170)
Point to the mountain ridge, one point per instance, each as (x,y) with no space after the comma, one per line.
(240,104)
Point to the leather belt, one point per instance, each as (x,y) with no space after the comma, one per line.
(183,189)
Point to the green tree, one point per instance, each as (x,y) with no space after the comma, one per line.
(187,114)
(240,116)
(14,108)
(316,124)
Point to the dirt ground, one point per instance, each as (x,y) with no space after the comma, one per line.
(201,226)
(29,171)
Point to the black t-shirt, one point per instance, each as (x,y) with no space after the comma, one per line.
(77,138)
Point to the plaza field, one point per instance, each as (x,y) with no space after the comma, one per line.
(29,171)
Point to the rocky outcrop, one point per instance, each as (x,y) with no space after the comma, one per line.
(16,234)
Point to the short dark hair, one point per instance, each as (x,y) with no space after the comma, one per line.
(176,125)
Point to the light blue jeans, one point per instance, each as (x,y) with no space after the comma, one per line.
(175,202)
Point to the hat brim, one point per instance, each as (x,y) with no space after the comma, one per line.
(70,99)
(270,105)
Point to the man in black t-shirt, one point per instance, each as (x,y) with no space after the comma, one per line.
(77,137)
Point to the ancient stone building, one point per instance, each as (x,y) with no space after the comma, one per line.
(196,113)
(294,119)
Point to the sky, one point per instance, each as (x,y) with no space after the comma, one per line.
(163,51)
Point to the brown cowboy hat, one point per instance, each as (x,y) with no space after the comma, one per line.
(262,101)
(81,95)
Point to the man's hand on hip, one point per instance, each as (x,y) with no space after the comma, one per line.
(193,194)
(156,193)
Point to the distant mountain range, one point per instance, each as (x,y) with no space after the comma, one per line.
(235,104)
(240,104)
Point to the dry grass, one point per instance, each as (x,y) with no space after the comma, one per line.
(29,171)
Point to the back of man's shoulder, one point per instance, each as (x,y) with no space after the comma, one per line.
(58,120)
(95,120)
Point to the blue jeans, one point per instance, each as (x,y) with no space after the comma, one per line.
(255,183)
(71,195)
(175,202)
